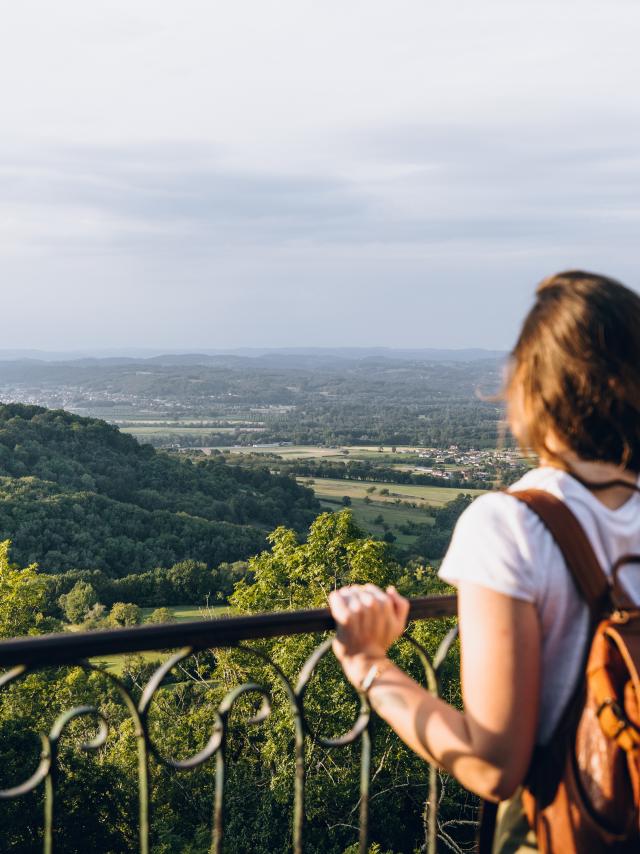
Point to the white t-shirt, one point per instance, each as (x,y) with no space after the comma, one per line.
(501,544)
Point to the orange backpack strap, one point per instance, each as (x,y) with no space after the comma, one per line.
(574,544)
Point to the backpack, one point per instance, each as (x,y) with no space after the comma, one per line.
(582,792)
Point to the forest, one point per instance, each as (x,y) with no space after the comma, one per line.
(96,791)
(77,493)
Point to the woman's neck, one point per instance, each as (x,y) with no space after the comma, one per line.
(590,471)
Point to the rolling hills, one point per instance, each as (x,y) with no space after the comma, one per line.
(77,493)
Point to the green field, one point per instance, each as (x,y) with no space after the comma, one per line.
(290,452)
(184,429)
(424,496)
(182,613)
(307,452)
(330,493)
(393,516)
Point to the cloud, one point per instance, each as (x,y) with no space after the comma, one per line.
(174,192)
(409,186)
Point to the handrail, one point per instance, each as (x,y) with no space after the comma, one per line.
(21,656)
(66,647)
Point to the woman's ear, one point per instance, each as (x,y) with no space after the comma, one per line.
(556,451)
(515,412)
(555,444)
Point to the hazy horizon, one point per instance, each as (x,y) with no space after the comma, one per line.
(288,173)
(8,354)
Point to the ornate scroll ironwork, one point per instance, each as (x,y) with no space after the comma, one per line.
(39,652)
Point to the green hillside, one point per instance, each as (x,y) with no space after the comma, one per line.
(76,492)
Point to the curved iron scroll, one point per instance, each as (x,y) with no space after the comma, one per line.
(47,769)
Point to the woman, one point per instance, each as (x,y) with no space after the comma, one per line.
(573,397)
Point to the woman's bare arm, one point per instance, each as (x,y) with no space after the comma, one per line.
(488,746)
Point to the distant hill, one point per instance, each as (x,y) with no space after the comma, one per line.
(206,356)
(77,493)
(426,354)
(304,399)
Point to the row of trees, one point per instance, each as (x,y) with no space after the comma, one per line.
(369,470)
(81,606)
(188,582)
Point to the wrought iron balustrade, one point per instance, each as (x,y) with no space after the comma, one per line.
(22,656)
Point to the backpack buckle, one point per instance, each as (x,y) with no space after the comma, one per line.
(620,616)
(617,710)
(619,713)
(615,707)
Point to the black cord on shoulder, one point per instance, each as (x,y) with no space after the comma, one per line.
(604,484)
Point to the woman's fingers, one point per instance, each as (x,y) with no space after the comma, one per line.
(338,606)
(400,605)
(350,608)
(384,614)
(369,605)
(343,643)
(368,617)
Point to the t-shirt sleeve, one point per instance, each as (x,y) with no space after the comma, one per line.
(492,546)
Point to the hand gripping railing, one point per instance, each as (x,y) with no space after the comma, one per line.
(25,655)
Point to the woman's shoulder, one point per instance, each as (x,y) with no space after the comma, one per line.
(497,543)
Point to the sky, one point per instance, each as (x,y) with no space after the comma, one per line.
(271,173)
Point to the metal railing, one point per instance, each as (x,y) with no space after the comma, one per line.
(23,656)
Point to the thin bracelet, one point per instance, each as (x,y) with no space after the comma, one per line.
(372,674)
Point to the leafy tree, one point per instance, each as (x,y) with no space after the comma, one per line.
(301,575)
(94,618)
(161,615)
(78,601)
(22,597)
(125,614)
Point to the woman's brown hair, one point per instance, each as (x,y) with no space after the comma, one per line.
(575,369)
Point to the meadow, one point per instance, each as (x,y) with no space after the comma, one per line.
(157,430)
(423,496)
(344,452)
(182,614)
(368,515)
(367,507)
